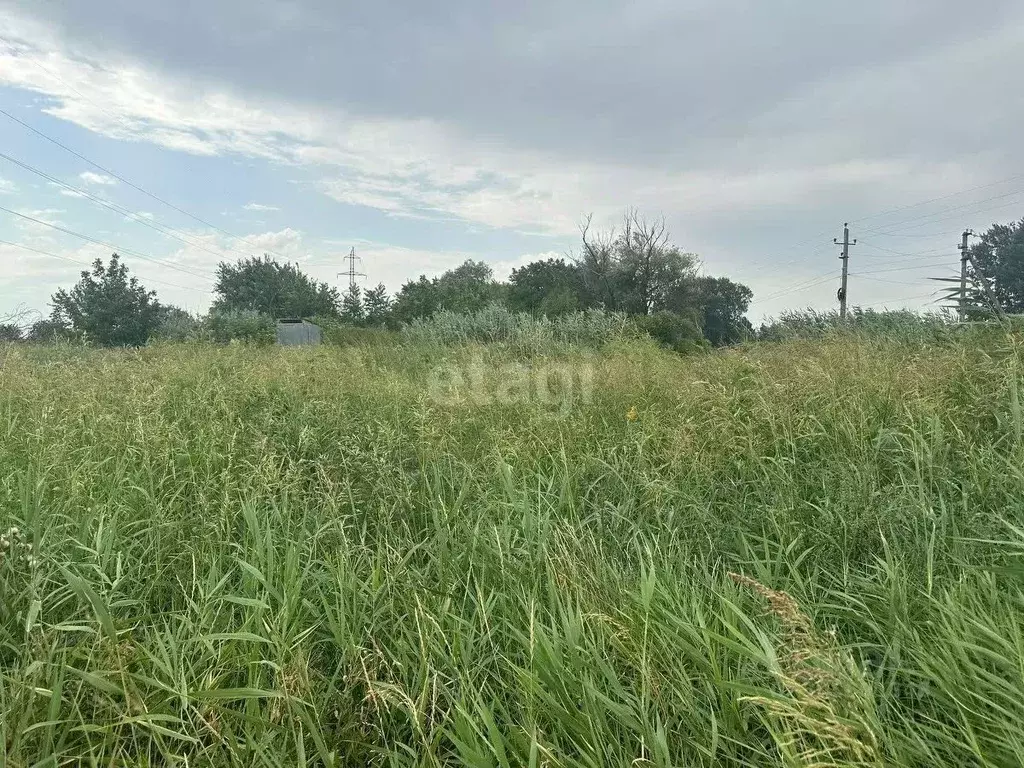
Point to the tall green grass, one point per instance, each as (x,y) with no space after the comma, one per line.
(592,328)
(894,325)
(805,553)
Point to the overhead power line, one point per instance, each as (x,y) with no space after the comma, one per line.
(938,199)
(135,186)
(87,264)
(867,276)
(806,285)
(923,265)
(932,295)
(914,254)
(930,218)
(154,225)
(111,246)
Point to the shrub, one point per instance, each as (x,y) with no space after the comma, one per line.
(176,325)
(672,331)
(345,335)
(245,326)
(49,331)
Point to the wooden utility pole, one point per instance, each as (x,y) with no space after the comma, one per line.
(964,258)
(846,268)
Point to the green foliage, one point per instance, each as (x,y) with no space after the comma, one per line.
(108,307)
(1000,255)
(376,306)
(637,270)
(723,306)
(467,288)
(238,556)
(272,289)
(241,326)
(11,332)
(672,331)
(46,331)
(590,329)
(549,287)
(900,325)
(352,311)
(176,324)
(341,334)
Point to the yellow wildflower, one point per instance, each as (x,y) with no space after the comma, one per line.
(632,414)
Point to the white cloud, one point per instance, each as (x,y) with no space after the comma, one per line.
(65,191)
(835,144)
(503,269)
(260,207)
(7,187)
(426,168)
(101,179)
(47,215)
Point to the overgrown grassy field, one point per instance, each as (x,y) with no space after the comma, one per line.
(804,553)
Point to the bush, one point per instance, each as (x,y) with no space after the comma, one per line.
(176,325)
(341,334)
(673,331)
(48,331)
(245,326)
(496,323)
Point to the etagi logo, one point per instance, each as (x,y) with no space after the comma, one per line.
(559,387)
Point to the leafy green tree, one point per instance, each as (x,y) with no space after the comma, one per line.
(551,287)
(10,332)
(722,306)
(108,306)
(1000,255)
(277,290)
(352,306)
(376,306)
(468,288)
(417,299)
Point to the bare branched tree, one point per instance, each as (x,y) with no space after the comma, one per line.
(645,256)
(598,265)
(633,270)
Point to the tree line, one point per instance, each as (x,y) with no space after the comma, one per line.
(635,270)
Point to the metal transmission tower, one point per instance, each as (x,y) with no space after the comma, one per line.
(846,268)
(351,271)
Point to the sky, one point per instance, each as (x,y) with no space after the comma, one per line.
(182,134)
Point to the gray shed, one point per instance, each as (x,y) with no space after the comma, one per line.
(295,332)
